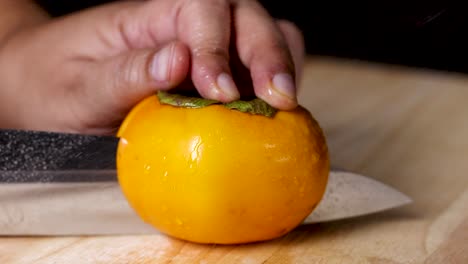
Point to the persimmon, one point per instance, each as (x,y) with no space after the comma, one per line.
(208,172)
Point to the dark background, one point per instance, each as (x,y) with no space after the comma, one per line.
(414,33)
(429,34)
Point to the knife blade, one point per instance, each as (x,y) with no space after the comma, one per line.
(65,184)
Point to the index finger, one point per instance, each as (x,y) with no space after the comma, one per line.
(205,26)
(263,49)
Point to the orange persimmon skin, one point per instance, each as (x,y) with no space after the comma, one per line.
(216,175)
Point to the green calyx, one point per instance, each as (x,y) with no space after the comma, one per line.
(256,106)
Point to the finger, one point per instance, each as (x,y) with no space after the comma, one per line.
(204,25)
(115,85)
(295,41)
(263,49)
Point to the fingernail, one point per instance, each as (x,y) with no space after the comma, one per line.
(161,63)
(283,83)
(227,86)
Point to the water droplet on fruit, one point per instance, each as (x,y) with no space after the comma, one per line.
(196,147)
(147,168)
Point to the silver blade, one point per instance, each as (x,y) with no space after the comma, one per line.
(99,208)
(351,195)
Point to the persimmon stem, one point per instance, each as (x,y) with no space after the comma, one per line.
(256,106)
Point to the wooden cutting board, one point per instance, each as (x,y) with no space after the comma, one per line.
(405,127)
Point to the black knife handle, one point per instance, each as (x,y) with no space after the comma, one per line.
(26,151)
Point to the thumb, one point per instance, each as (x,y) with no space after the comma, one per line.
(114,85)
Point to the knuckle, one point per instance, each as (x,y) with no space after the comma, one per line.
(128,74)
(202,4)
(211,49)
(130,70)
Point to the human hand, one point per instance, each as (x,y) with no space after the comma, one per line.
(84,72)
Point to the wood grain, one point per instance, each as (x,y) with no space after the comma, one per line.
(406,127)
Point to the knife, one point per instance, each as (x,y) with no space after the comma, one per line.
(65,184)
